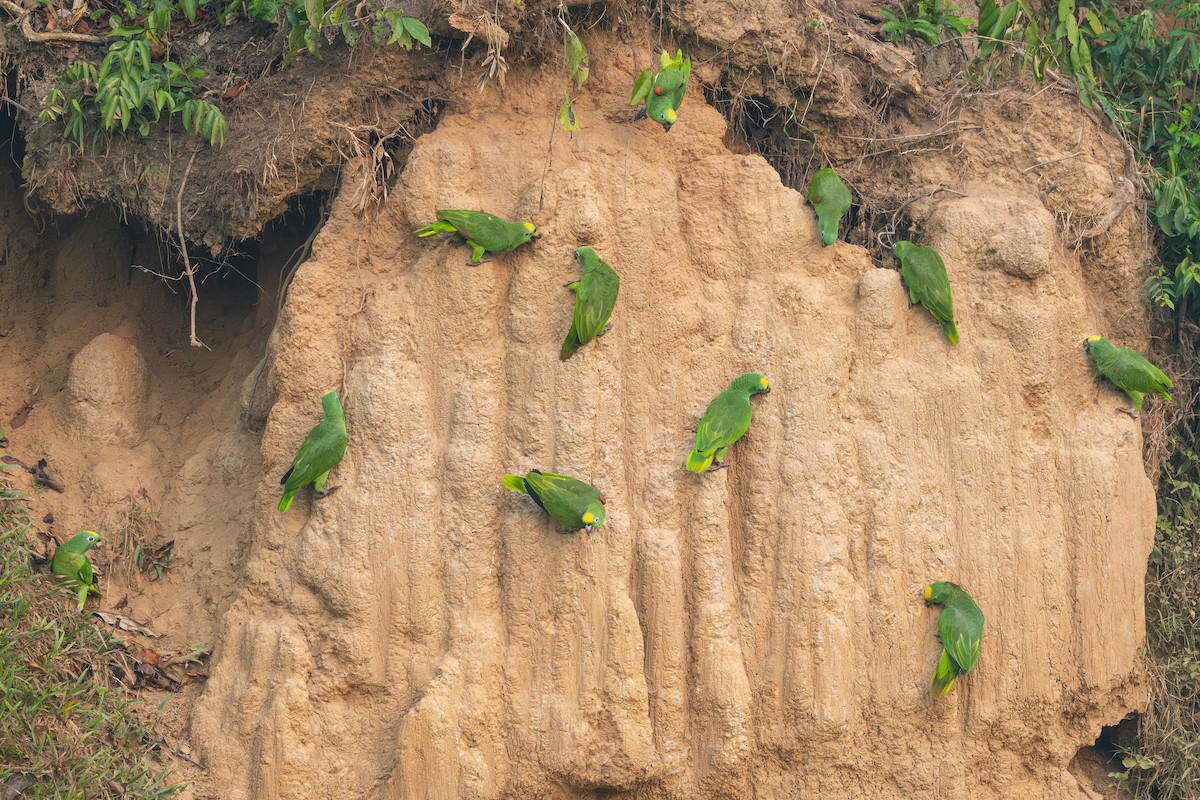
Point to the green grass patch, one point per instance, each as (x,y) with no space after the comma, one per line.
(66,729)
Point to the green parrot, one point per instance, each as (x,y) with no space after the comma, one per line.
(70,563)
(726,420)
(483,232)
(1129,371)
(663,94)
(321,451)
(595,296)
(925,277)
(831,200)
(573,503)
(960,626)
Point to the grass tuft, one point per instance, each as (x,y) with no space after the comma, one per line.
(66,731)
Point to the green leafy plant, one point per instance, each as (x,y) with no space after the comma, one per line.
(576,59)
(1165,759)
(130,90)
(926,19)
(309,21)
(994,24)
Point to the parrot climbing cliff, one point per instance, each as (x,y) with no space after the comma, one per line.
(595,298)
(960,627)
(662,91)
(1130,371)
(831,200)
(482,231)
(925,277)
(321,451)
(726,420)
(575,505)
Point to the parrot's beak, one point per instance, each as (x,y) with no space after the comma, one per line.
(767,390)
(667,127)
(588,529)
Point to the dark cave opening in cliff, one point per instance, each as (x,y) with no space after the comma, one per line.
(758,124)
(12,141)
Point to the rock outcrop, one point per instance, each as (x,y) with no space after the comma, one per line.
(756,632)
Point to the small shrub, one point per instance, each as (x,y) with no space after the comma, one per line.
(925,19)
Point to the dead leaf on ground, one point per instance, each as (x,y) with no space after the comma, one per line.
(128,624)
(235,90)
(18,419)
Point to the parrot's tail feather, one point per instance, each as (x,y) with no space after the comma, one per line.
(698,462)
(951,330)
(287,475)
(285,502)
(516,483)
(441,226)
(569,346)
(943,676)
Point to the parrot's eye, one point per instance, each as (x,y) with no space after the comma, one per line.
(662,116)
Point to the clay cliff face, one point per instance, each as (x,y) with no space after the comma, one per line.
(755,632)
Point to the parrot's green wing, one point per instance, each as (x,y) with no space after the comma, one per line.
(960,626)
(924,275)
(564,498)
(321,451)
(672,80)
(595,298)
(641,87)
(831,200)
(1132,371)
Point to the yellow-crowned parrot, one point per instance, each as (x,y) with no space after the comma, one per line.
(726,420)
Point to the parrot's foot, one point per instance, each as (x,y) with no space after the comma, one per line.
(718,465)
(1131,411)
(471,263)
(607,328)
(323,493)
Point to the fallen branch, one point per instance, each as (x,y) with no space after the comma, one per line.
(890,230)
(1104,223)
(22,18)
(1053,161)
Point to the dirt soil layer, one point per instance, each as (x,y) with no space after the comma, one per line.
(756,632)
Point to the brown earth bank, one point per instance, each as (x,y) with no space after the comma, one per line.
(756,632)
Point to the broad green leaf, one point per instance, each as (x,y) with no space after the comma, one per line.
(418,31)
(577,59)
(641,87)
(566,115)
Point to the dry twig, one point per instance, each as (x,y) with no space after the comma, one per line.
(187,262)
(22,18)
